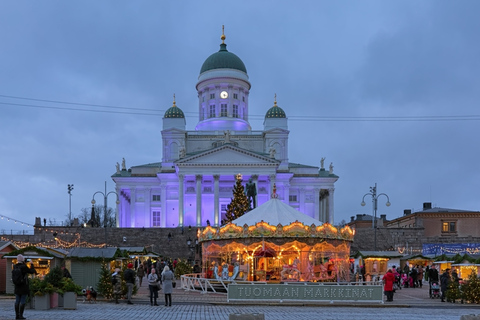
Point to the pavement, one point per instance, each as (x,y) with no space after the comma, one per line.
(409,303)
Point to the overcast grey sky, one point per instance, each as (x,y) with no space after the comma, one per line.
(386,90)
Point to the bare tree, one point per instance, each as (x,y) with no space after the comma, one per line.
(98,219)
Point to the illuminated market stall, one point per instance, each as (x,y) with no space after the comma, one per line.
(275,242)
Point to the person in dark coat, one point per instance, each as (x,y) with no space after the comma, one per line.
(66,273)
(167,279)
(444,282)
(140,274)
(22,291)
(129,277)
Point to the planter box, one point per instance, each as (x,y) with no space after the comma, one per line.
(54,300)
(70,301)
(60,301)
(41,302)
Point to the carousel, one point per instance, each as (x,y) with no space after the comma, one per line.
(276,243)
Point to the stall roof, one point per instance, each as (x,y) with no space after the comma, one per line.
(275,212)
(419,256)
(92,252)
(4,244)
(132,249)
(378,254)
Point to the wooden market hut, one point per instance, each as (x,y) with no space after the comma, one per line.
(43,259)
(85,263)
(376,263)
(5,247)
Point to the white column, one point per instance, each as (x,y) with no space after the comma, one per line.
(117,207)
(163,199)
(330,206)
(286,193)
(316,195)
(255,180)
(272,179)
(301,193)
(133,200)
(198,177)
(216,201)
(147,211)
(181,200)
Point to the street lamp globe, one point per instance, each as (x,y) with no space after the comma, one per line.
(362,204)
(388,204)
(93,201)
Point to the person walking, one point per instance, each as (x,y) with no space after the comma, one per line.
(153,283)
(432,278)
(140,274)
(444,282)
(20,280)
(167,279)
(388,280)
(420,273)
(117,285)
(129,277)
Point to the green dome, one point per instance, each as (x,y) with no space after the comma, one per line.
(174,112)
(275,111)
(223,60)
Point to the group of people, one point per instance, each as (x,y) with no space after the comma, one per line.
(415,277)
(158,274)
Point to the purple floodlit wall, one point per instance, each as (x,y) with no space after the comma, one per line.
(215,124)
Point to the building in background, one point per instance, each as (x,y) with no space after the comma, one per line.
(193,182)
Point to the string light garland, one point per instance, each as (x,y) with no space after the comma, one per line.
(14,220)
(55,243)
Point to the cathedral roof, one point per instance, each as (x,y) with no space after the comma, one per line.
(275,111)
(223,60)
(174,111)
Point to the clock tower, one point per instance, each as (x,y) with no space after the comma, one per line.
(223,89)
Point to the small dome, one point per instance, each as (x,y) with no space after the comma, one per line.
(174,111)
(275,111)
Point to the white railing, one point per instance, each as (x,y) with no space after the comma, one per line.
(194,282)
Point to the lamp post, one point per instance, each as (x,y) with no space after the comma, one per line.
(373,193)
(70,188)
(105,197)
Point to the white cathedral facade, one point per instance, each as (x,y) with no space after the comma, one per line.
(193,183)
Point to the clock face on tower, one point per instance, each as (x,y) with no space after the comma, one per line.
(224,94)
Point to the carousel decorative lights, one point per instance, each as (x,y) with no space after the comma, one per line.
(275,242)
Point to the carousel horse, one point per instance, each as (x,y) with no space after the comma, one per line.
(225,271)
(236,270)
(215,273)
(290,271)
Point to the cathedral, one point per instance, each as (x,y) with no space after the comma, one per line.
(193,183)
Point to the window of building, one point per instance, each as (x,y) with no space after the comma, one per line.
(223,110)
(203,98)
(156,197)
(235,96)
(449,226)
(156,218)
(212,111)
(235,111)
(243,98)
(292,198)
(212,95)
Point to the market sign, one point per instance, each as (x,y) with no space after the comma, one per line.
(302,292)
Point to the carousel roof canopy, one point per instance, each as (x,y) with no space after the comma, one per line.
(275,212)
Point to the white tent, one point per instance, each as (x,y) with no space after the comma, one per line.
(275,212)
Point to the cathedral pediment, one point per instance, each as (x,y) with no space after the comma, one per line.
(227,155)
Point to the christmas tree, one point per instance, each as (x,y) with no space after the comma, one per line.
(239,204)
(104,286)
